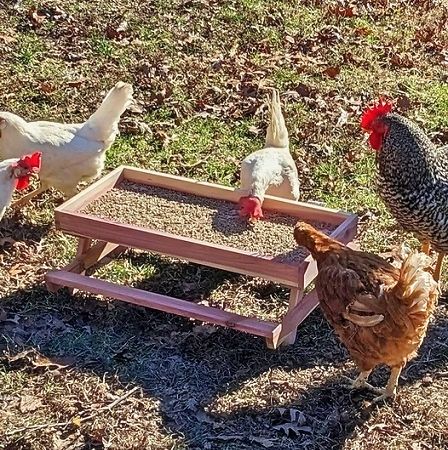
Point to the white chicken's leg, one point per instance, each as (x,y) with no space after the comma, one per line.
(295,184)
(26,198)
(391,387)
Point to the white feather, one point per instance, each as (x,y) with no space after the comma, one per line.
(70,152)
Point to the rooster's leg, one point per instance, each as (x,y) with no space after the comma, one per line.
(438,269)
(26,198)
(426,246)
(391,387)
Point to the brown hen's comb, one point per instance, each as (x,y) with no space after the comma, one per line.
(373,112)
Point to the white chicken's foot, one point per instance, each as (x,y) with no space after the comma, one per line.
(361,383)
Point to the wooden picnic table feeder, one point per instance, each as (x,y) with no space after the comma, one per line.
(113,238)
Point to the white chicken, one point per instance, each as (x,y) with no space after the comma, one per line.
(15,174)
(70,152)
(271,170)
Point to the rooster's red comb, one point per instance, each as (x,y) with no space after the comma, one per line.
(379,109)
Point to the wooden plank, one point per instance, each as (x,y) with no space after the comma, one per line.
(347,230)
(92,192)
(305,211)
(295,296)
(294,318)
(161,302)
(199,252)
(77,264)
(94,255)
(98,252)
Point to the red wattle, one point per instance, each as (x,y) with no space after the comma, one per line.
(376,140)
(22,183)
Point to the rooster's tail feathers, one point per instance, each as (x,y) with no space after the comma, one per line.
(104,121)
(276,134)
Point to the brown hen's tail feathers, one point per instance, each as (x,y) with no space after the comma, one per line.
(276,133)
(416,285)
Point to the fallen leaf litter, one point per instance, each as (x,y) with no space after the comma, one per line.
(201,218)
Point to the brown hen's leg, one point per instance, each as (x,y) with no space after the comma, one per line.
(438,269)
(26,198)
(361,383)
(391,387)
(426,247)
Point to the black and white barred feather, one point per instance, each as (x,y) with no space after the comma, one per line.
(413,180)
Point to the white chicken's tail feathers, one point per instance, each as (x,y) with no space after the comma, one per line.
(103,123)
(416,287)
(276,134)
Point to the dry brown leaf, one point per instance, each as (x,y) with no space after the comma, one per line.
(293,428)
(76,83)
(117,32)
(403,102)
(7,39)
(35,18)
(57,363)
(267,443)
(76,421)
(304,91)
(332,71)
(401,60)
(7,240)
(362,31)
(46,87)
(343,11)
(29,403)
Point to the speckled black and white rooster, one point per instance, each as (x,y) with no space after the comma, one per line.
(412,176)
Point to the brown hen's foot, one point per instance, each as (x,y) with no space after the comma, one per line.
(383,397)
(361,383)
(391,388)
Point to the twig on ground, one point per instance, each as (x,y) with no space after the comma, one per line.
(81,420)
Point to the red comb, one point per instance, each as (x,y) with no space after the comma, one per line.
(31,162)
(379,109)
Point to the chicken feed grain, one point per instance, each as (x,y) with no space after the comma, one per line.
(201,218)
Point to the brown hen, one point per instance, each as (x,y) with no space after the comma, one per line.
(380,312)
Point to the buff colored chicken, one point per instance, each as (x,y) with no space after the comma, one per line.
(271,170)
(70,152)
(380,312)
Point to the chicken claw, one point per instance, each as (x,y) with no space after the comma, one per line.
(362,383)
(391,388)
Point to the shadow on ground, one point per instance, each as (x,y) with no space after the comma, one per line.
(217,388)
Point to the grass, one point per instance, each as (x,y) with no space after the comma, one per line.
(197,68)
